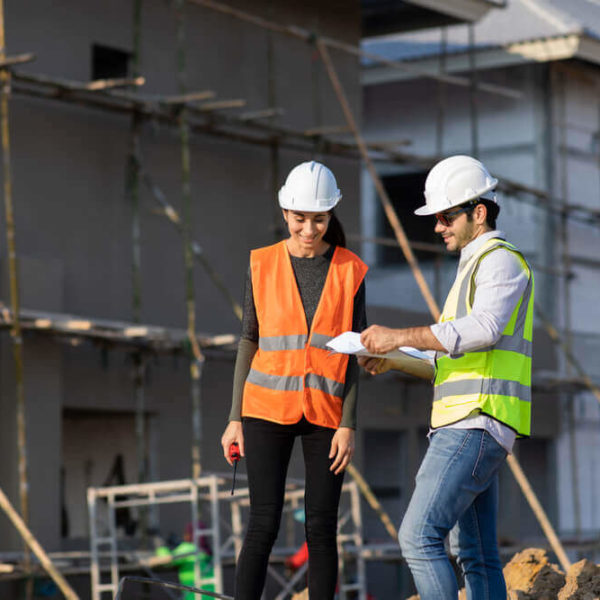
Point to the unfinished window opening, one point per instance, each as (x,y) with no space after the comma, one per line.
(109,63)
(406,194)
(99,448)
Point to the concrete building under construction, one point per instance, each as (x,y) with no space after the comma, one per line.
(145,145)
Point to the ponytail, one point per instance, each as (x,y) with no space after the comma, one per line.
(335,232)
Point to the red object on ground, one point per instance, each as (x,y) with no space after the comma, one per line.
(299,558)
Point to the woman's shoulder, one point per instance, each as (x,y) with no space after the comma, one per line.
(344,255)
(266,250)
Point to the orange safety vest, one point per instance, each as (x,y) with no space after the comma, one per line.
(293,373)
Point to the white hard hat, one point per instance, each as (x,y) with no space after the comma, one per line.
(310,187)
(456,180)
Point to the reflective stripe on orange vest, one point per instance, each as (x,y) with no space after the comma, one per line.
(293,373)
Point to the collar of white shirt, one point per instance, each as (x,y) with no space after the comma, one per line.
(474,245)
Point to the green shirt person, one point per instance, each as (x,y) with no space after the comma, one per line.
(184,558)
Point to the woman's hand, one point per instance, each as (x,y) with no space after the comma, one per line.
(342,449)
(233,433)
(374,365)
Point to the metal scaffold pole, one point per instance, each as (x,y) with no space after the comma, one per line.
(274,145)
(442,95)
(133,178)
(567,370)
(197,360)
(473,105)
(17,340)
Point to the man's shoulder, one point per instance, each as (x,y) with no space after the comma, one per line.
(503,257)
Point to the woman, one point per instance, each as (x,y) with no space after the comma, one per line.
(300,293)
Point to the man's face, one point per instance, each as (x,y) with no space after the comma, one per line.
(457,227)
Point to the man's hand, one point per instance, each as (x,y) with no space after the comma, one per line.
(380,340)
(374,366)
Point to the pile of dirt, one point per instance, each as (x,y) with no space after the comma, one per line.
(531,576)
(583,582)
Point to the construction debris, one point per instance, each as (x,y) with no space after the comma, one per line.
(531,576)
(583,582)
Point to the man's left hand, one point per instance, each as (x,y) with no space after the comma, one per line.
(380,340)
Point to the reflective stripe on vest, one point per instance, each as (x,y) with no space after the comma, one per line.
(293,373)
(495,380)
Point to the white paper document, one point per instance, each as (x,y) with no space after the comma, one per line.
(349,343)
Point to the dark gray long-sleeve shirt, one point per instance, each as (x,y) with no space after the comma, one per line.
(310,274)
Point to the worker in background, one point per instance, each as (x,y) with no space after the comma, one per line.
(482,387)
(184,557)
(300,293)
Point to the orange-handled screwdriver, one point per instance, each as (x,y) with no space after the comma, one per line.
(234,456)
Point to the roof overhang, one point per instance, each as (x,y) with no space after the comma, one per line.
(564,47)
(459,10)
(381,17)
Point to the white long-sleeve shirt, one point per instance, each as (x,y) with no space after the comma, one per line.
(499,284)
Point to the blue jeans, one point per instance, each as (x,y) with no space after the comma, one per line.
(456,489)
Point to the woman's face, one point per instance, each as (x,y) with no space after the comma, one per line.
(306,231)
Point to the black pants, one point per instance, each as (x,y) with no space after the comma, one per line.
(268,449)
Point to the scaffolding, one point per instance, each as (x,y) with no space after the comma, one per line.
(202,495)
(200,112)
(223,528)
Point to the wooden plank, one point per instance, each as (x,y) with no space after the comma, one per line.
(107,84)
(222,104)
(37,549)
(190,97)
(17,59)
(265,113)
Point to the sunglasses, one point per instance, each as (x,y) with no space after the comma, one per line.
(448,217)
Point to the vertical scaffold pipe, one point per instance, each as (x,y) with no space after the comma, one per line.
(568,398)
(197,360)
(17,340)
(133,177)
(274,146)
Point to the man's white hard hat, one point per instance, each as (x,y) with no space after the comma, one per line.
(456,180)
(309,187)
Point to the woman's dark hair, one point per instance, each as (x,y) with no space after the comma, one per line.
(335,232)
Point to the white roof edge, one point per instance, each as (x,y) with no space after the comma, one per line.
(589,49)
(464,10)
(559,47)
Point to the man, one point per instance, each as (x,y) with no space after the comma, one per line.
(482,387)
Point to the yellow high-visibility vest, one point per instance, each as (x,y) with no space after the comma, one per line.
(496,380)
